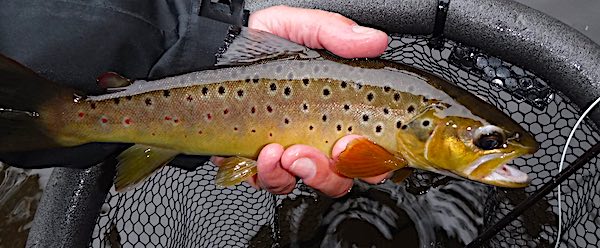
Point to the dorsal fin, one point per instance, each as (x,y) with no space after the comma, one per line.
(250,45)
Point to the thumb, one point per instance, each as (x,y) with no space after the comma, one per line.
(320,29)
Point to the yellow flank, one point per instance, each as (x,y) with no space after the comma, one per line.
(240,117)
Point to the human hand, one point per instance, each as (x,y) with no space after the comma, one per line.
(279,167)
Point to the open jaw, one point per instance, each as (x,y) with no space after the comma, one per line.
(509,174)
(503,175)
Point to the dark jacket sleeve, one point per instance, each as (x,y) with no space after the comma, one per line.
(73,42)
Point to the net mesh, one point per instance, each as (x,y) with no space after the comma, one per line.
(176,208)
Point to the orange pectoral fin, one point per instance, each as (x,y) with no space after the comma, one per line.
(364,158)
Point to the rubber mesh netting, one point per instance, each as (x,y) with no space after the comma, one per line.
(176,208)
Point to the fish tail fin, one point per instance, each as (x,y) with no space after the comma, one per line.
(234,170)
(22,93)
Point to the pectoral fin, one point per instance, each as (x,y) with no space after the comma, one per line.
(139,162)
(401,174)
(234,170)
(364,158)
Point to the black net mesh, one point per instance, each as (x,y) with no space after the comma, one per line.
(176,208)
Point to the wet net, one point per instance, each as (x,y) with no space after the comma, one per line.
(177,208)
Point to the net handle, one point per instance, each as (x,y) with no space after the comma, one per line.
(555,52)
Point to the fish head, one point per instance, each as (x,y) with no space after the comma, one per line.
(467,148)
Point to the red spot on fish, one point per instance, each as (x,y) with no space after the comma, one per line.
(81,114)
(269,108)
(168,118)
(253,110)
(127,121)
(104,120)
(209,116)
(225,111)
(189,98)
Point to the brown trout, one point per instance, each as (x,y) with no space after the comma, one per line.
(409,118)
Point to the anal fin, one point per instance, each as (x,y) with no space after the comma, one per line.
(139,162)
(234,170)
(364,158)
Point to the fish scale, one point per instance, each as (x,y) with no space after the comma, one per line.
(240,117)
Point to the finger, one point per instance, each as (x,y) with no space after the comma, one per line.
(314,168)
(341,145)
(321,29)
(271,176)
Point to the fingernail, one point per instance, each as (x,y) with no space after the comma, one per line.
(363,30)
(304,168)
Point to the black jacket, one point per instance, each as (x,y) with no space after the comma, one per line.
(73,42)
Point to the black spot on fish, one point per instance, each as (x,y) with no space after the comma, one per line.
(166,93)
(398,124)
(410,109)
(343,84)
(370,96)
(286,121)
(326,92)
(273,87)
(426,123)
(221,90)
(339,127)
(310,127)
(378,129)
(254,131)
(425,100)
(346,107)
(404,127)
(117,101)
(204,91)
(359,86)
(305,106)
(365,117)
(387,88)
(247,80)
(386,111)
(255,80)
(240,93)
(287,91)
(129,98)
(93,105)
(350,129)
(327,141)
(269,108)
(305,81)
(324,118)
(397,97)
(148,101)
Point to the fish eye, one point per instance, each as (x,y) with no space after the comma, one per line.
(489,138)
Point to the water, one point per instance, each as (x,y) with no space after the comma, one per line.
(427,210)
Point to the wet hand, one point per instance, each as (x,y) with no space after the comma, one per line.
(279,167)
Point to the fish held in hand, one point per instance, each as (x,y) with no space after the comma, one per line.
(279,92)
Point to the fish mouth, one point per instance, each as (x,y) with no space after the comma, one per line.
(493,169)
(507,176)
